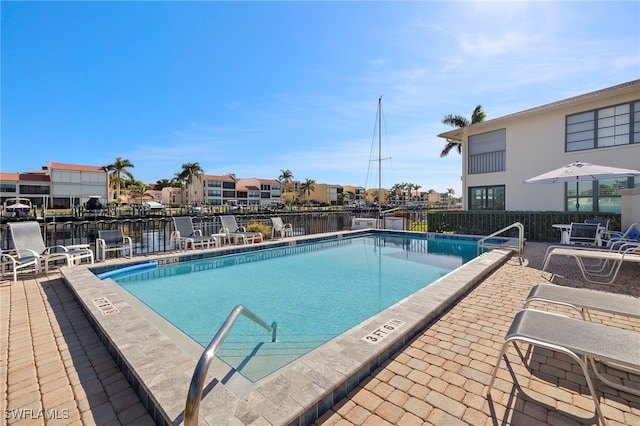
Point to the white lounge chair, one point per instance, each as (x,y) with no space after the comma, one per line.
(237,233)
(15,261)
(600,272)
(580,340)
(584,300)
(113,240)
(281,228)
(27,242)
(186,236)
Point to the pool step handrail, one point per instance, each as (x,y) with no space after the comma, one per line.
(484,244)
(192,406)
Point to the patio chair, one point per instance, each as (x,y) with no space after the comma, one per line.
(185,235)
(577,339)
(27,241)
(14,261)
(237,233)
(584,233)
(599,272)
(629,235)
(281,228)
(603,226)
(113,240)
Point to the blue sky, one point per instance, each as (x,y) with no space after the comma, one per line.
(255,87)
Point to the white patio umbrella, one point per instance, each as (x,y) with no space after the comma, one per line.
(578,171)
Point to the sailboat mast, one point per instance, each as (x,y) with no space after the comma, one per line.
(380,157)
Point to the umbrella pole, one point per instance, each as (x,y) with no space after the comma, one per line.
(577,200)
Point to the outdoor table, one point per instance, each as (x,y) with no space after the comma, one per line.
(564,229)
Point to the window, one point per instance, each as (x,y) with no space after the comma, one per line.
(7,187)
(614,125)
(214,193)
(486,198)
(598,196)
(34,189)
(214,184)
(487,152)
(636,122)
(580,131)
(581,194)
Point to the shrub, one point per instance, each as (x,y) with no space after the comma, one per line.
(265,230)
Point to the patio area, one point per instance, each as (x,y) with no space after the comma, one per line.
(55,370)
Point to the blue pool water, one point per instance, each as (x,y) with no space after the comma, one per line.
(313,291)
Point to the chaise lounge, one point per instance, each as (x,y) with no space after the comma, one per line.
(599,272)
(578,339)
(584,300)
(29,250)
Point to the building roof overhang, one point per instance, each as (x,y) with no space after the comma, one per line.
(459,134)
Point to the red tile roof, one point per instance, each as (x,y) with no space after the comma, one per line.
(225,178)
(9,176)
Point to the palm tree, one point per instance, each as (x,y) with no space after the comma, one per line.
(164,183)
(117,169)
(307,187)
(451,191)
(285,179)
(189,171)
(395,189)
(458,121)
(415,188)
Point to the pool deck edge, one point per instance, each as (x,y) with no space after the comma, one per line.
(160,371)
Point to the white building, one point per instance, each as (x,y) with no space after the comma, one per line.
(57,185)
(601,127)
(73,184)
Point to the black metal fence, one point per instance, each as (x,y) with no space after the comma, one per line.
(152,234)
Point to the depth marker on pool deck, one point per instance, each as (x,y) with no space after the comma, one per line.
(105,306)
(383,331)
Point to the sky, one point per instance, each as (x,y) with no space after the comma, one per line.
(254,88)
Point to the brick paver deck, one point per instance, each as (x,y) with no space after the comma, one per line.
(55,370)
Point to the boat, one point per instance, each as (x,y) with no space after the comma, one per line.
(367,222)
(18,209)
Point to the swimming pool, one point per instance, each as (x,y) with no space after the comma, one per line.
(158,360)
(313,291)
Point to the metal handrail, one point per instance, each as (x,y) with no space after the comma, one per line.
(482,243)
(192,407)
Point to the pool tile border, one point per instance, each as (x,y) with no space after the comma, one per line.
(297,394)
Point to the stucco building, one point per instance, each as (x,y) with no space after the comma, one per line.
(601,127)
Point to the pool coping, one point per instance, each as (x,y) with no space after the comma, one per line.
(160,371)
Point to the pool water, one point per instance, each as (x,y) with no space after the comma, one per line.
(313,291)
